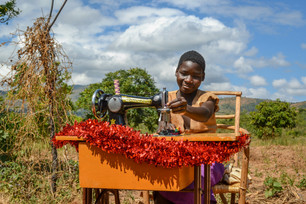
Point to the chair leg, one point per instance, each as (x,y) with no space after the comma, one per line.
(116,194)
(102,196)
(146,197)
(244,174)
(97,193)
(233,195)
(224,201)
(105,198)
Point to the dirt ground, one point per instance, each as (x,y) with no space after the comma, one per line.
(285,163)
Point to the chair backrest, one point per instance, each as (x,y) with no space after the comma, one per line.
(236,115)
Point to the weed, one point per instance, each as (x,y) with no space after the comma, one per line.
(258,174)
(285,179)
(272,186)
(302,183)
(29,182)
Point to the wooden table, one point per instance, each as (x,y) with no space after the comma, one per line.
(98,169)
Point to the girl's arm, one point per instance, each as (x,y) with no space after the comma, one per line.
(201,114)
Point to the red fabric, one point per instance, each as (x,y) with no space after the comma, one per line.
(146,148)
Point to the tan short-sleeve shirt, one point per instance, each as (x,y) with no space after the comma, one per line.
(195,126)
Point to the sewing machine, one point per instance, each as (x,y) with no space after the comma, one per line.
(117,105)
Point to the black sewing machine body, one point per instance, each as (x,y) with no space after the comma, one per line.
(117,105)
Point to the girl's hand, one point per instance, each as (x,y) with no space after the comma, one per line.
(178,105)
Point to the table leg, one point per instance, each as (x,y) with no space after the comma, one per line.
(87,195)
(207,184)
(197,184)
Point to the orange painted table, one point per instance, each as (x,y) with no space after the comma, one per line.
(98,169)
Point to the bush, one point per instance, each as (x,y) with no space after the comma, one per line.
(271,117)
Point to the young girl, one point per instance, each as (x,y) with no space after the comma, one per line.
(193,111)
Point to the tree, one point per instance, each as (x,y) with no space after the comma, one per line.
(38,88)
(8,10)
(135,81)
(271,117)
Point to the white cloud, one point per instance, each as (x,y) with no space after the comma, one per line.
(258,93)
(279,61)
(291,18)
(195,4)
(143,14)
(105,36)
(251,52)
(154,40)
(4,70)
(223,86)
(181,33)
(275,61)
(246,92)
(258,80)
(278,83)
(291,88)
(262,13)
(242,66)
(303,80)
(80,78)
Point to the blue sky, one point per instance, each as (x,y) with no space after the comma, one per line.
(257,47)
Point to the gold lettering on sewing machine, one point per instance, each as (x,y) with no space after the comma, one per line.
(136,100)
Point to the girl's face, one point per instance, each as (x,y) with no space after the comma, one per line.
(189,76)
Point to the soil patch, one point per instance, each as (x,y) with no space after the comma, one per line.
(285,163)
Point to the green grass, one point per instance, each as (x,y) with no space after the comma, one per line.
(27,179)
(284,140)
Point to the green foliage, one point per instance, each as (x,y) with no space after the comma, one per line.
(271,117)
(286,179)
(134,81)
(272,186)
(37,101)
(300,129)
(28,181)
(302,183)
(8,11)
(38,91)
(7,139)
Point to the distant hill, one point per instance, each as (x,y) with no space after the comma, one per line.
(299,104)
(227,104)
(77,89)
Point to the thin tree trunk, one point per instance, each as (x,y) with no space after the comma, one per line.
(53,149)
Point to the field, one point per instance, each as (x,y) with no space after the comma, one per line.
(284,164)
(277,168)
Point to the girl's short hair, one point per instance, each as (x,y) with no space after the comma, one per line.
(193,56)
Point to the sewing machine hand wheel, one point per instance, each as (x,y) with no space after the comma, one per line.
(98,111)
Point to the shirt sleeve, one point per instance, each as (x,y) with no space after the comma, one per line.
(206,96)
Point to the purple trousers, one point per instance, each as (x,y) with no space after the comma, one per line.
(216,174)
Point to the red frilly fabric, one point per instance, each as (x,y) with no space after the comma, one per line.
(125,140)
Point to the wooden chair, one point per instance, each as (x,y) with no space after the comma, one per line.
(237,188)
